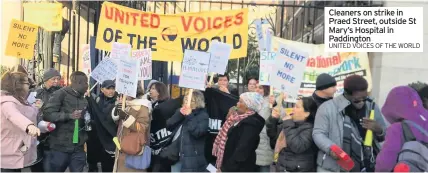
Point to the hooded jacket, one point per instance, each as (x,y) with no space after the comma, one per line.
(18,149)
(58,110)
(401,103)
(242,141)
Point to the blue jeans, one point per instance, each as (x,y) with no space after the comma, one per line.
(59,161)
(176,167)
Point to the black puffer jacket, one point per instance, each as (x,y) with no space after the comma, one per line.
(301,151)
(58,110)
(193,134)
(242,142)
(44,94)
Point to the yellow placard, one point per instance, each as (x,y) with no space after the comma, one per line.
(44,14)
(169,35)
(21,40)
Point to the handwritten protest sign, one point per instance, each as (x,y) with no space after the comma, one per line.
(259,34)
(86,59)
(105,70)
(47,15)
(120,51)
(21,40)
(288,71)
(220,53)
(127,77)
(194,69)
(267,63)
(145,68)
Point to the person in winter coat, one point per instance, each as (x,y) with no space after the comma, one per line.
(136,113)
(298,152)
(100,146)
(402,103)
(51,78)
(343,121)
(192,125)
(158,95)
(325,87)
(264,151)
(64,107)
(235,145)
(18,124)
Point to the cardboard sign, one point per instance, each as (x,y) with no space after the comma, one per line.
(45,14)
(267,63)
(288,71)
(169,35)
(127,77)
(120,51)
(194,69)
(86,59)
(105,70)
(21,40)
(220,53)
(145,68)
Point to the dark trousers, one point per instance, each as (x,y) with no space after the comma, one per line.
(96,153)
(59,161)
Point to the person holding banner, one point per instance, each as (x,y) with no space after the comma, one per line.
(264,151)
(100,146)
(18,123)
(341,125)
(133,118)
(65,109)
(236,143)
(224,86)
(192,125)
(296,151)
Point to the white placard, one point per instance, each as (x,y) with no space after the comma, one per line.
(194,69)
(127,77)
(374,29)
(267,63)
(220,53)
(105,70)
(259,34)
(86,59)
(268,39)
(145,68)
(120,50)
(287,75)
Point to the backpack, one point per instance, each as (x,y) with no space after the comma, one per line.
(413,153)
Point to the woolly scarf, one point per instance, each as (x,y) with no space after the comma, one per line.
(220,140)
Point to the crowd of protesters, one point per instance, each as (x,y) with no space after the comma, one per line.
(156,133)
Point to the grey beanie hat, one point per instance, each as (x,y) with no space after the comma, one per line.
(325,81)
(50,73)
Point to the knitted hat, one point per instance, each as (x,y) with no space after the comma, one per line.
(50,73)
(253,100)
(325,81)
